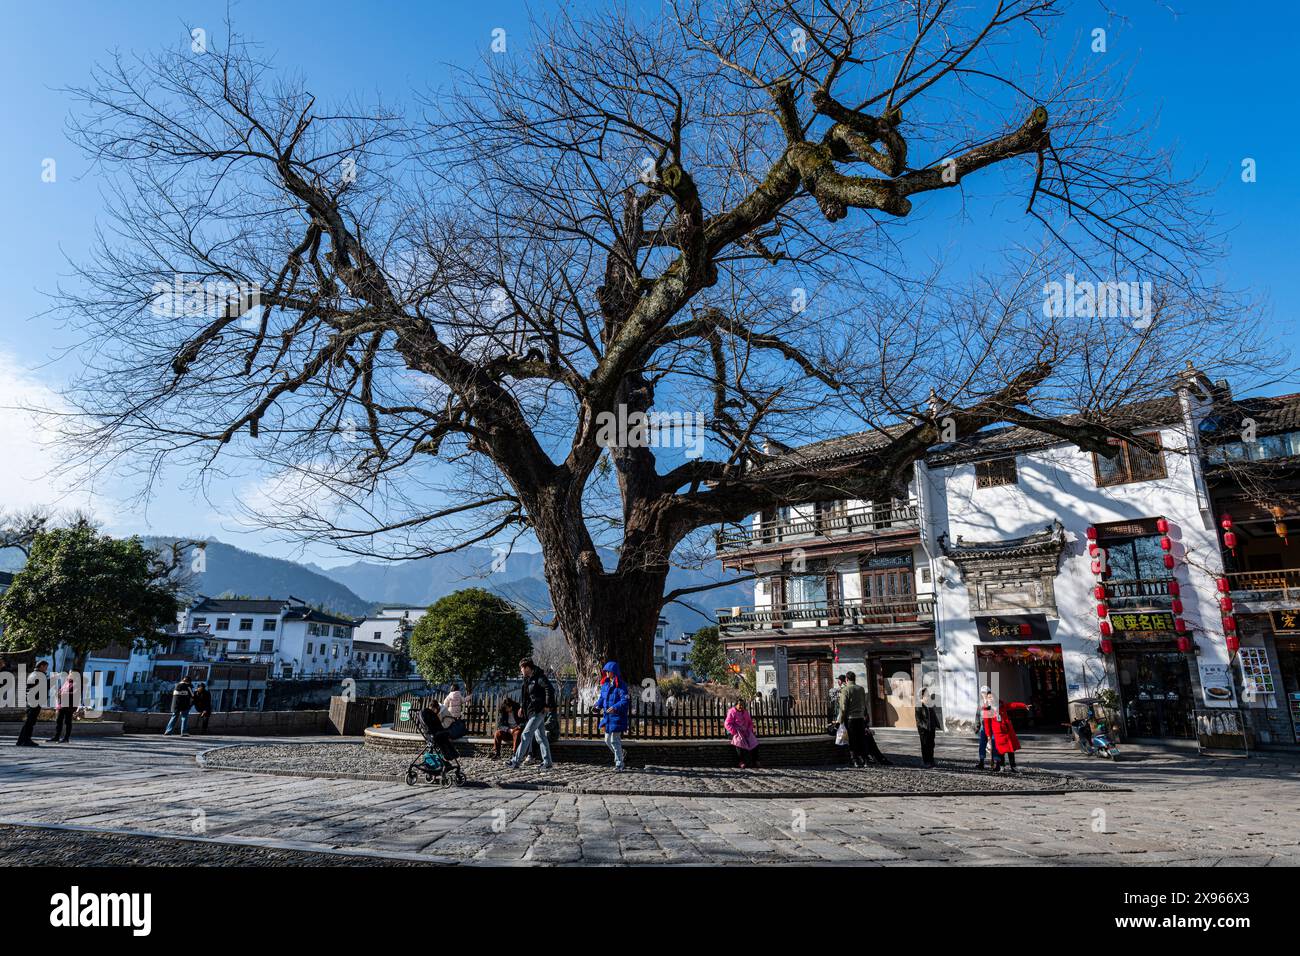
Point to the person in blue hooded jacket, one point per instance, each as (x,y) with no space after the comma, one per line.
(613,706)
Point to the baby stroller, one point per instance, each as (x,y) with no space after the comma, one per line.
(439,759)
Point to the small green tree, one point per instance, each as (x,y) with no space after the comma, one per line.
(88,591)
(469,634)
(707,658)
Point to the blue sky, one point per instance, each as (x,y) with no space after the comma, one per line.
(1215,79)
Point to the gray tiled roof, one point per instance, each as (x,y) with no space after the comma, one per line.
(207,605)
(1272,414)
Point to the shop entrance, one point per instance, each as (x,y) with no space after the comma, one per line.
(1155,691)
(1030,679)
(1288,659)
(810,680)
(892,689)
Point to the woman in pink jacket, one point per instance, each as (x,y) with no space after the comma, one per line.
(741,727)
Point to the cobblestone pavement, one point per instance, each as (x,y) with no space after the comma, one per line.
(905,775)
(1178,808)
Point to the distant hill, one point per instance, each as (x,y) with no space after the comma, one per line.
(359,587)
(231,570)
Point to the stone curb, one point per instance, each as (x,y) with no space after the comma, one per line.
(202,761)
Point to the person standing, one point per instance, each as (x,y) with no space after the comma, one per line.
(833,701)
(182,701)
(982,711)
(33,711)
(740,725)
(927,724)
(202,706)
(998,727)
(454,705)
(539,700)
(853,715)
(613,705)
(65,706)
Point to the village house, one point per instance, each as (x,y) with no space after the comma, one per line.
(1050,573)
(293,638)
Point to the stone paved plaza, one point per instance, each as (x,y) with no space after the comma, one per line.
(1175,808)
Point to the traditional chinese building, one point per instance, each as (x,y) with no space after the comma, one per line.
(1020,561)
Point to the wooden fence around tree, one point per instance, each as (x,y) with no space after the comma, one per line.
(690,718)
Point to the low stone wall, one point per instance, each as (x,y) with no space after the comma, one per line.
(80,728)
(773,751)
(254,723)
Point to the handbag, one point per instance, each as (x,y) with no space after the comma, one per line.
(842,736)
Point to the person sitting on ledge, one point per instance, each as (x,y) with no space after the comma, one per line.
(508,727)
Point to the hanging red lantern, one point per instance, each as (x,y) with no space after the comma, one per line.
(1175,589)
(1162,525)
(1225,604)
(1230,541)
(1166,543)
(1184,643)
(1102,610)
(1176,606)
(1169,561)
(1223,585)
(1180,626)
(1225,522)
(1093,550)
(1104,626)
(1099,592)
(1107,646)
(1233,644)
(1230,624)
(1092,534)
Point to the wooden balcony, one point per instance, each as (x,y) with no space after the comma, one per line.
(828,526)
(1281,586)
(853,614)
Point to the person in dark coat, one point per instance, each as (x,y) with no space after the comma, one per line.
(509,727)
(182,701)
(33,704)
(538,700)
(853,715)
(203,706)
(927,724)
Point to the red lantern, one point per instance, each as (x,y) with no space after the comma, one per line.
(1092,534)
(1226,522)
(1233,643)
(1106,646)
(1223,585)
(1184,644)
(1099,592)
(1105,628)
(1162,525)
(1230,541)
(1174,589)
(1225,604)
(1176,606)
(1166,543)
(1230,624)
(1102,610)
(1169,561)
(1180,626)
(1093,550)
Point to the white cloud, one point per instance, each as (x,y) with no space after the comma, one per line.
(30,470)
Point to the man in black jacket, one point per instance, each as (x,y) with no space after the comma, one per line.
(182,701)
(539,700)
(203,706)
(927,724)
(33,705)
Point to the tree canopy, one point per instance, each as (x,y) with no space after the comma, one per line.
(707,658)
(469,635)
(88,591)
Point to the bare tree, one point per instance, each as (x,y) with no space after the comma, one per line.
(693,211)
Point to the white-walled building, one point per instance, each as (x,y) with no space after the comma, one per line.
(296,639)
(379,636)
(986,574)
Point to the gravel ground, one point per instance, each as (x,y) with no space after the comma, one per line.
(905,777)
(38,846)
